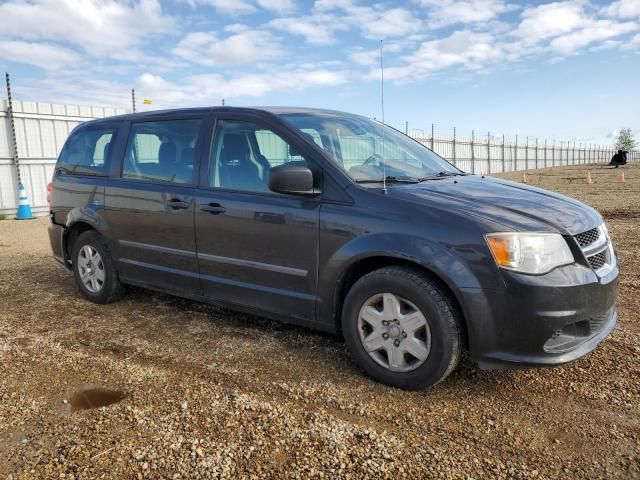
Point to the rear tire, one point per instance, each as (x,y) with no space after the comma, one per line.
(94,271)
(401,328)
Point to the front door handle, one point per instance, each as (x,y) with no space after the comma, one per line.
(214,208)
(177,203)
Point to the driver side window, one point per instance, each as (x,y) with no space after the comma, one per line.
(243,153)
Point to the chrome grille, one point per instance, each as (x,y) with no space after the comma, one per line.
(585,239)
(598,260)
(596,247)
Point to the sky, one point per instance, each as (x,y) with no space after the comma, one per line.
(567,70)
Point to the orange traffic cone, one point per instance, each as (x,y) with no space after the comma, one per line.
(524,178)
(621,177)
(589,181)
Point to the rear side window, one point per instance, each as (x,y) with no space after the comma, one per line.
(88,151)
(162,151)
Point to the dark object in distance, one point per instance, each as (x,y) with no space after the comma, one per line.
(619,158)
(339,223)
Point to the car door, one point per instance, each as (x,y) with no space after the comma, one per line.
(256,249)
(150,205)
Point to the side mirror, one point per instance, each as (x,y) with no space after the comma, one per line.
(291,179)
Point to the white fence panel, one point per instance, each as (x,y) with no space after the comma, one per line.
(41,130)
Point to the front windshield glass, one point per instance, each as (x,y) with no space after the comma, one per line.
(369,151)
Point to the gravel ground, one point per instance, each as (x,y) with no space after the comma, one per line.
(202,392)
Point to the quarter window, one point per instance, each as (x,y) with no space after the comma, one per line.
(88,151)
(243,154)
(162,151)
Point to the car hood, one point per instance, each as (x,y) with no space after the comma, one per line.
(514,205)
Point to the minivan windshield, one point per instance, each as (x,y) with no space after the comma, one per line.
(369,151)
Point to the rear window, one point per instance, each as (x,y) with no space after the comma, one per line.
(88,151)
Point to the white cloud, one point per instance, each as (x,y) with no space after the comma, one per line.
(233,7)
(203,89)
(381,24)
(375,22)
(594,31)
(316,29)
(367,58)
(43,55)
(98,26)
(278,5)
(245,46)
(472,50)
(550,20)
(442,13)
(623,9)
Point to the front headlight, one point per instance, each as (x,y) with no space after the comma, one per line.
(533,253)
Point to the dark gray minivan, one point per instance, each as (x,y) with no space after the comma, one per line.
(339,223)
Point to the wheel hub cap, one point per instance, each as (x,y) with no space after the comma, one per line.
(394,332)
(91,269)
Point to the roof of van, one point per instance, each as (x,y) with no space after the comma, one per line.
(151,114)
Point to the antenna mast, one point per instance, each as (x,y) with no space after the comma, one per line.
(384,167)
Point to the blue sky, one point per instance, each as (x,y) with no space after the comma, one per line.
(567,70)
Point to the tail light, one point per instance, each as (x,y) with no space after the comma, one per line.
(49,192)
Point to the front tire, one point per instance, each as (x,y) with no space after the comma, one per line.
(94,271)
(401,328)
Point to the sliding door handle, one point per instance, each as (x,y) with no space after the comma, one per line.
(214,208)
(176,203)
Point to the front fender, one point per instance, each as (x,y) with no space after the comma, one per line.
(449,263)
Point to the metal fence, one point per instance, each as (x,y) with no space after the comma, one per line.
(42,128)
(496,155)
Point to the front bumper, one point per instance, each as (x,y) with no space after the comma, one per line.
(542,320)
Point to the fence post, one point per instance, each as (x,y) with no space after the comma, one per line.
(573,155)
(526,154)
(536,153)
(504,165)
(488,153)
(432,132)
(545,153)
(515,156)
(473,153)
(561,154)
(406,128)
(454,146)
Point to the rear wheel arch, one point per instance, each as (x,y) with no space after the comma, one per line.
(72,233)
(362,267)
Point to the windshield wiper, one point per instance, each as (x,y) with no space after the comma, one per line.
(440,175)
(390,179)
